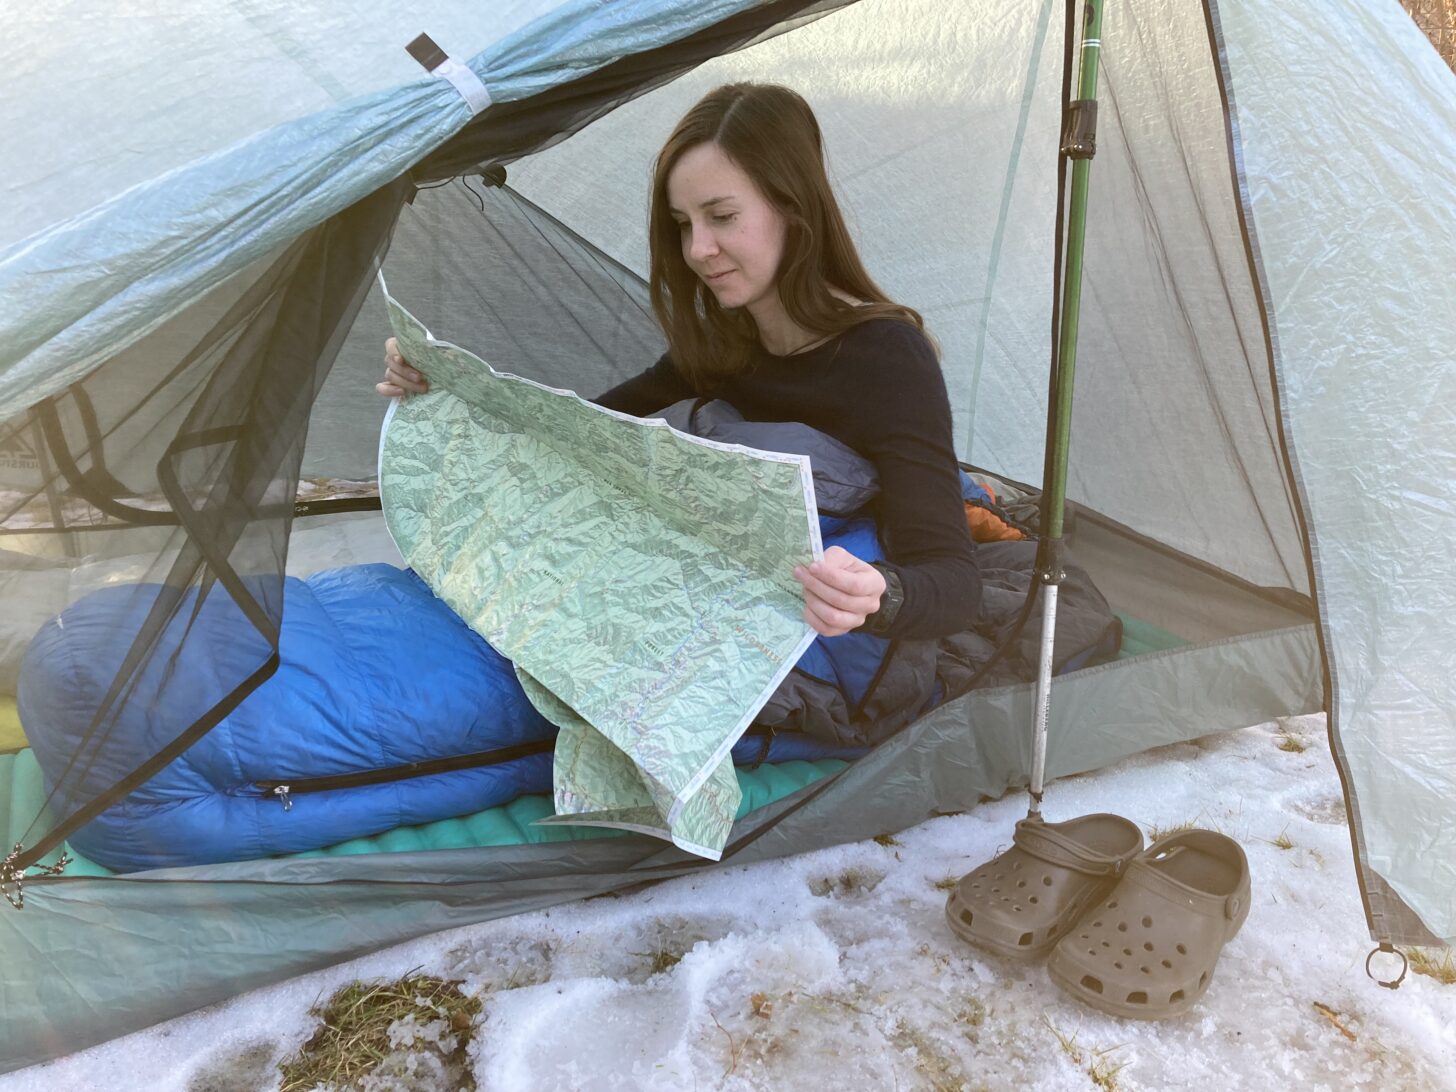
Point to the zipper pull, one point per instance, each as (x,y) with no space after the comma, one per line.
(281,791)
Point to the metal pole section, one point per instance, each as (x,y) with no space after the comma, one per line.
(1043,693)
(1079,144)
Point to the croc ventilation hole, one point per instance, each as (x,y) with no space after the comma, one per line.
(966,917)
(1181,950)
(1093,984)
(1025,940)
(1137,997)
(1176,995)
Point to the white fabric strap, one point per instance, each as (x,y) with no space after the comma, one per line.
(464,80)
(438,63)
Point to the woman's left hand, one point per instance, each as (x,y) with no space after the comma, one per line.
(840,592)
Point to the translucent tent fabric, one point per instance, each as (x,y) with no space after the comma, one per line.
(181,65)
(948,170)
(103,251)
(941,124)
(1355,235)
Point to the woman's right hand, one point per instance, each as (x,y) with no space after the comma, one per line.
(400,379)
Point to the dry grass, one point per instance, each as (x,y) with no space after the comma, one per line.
(661,958)
(851,882)
(1334,1016)
(947,883)
(936,1068)
(1290,742)
(971,1014)
(1098,1062)
(1434,963)
(1283,841)
(1155,832)
(1437,18)
(353,1037)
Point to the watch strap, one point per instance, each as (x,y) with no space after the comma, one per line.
(891,600)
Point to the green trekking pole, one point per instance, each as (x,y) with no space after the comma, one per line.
(1079,144)
(1026,900)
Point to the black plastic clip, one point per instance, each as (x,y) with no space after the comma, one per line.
(1079,139)
(424,50)
(1049,561)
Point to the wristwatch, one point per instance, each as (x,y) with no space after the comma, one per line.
(891,600)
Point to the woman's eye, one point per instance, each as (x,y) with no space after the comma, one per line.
(724,218)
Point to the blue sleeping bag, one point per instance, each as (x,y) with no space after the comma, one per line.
(376,674)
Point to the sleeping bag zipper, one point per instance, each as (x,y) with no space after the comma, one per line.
(286,789)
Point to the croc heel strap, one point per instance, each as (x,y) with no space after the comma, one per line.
(1023,901)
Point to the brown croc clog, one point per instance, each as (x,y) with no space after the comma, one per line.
(1021,903)
(1149,950)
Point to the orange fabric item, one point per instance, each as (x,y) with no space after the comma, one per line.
(987,526)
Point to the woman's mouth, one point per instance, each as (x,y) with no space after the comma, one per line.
(714,278)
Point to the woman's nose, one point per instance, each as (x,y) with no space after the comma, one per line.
(701,245)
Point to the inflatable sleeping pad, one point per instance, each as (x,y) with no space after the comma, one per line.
(513,823)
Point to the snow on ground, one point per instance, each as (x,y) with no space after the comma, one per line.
(836,968)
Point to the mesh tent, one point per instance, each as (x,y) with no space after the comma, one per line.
(1261,462)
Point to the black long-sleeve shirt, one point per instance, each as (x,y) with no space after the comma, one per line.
(877,388)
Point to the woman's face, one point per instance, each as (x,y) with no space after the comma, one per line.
(732,237)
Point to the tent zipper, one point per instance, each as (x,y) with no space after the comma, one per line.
(285,789)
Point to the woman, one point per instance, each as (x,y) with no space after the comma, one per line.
(765,304)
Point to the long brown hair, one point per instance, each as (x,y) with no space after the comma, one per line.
(772,135)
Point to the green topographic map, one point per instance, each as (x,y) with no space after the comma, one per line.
(640,580)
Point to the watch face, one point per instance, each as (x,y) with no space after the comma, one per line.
(893,595)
